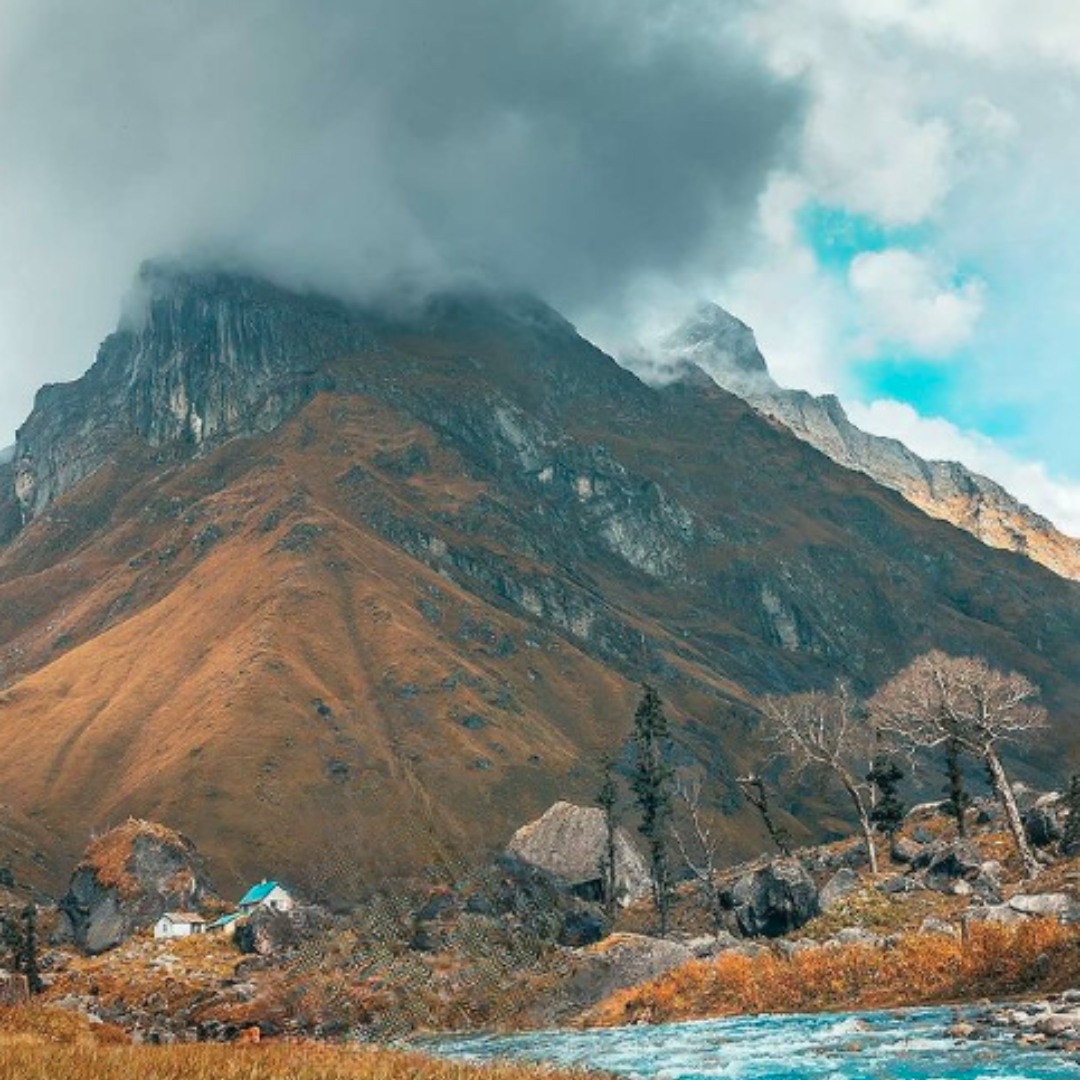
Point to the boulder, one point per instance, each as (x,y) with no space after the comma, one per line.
(898,885)
(622,961)
(774,900)
(281,934)
(571,842)
(987,883)
(126,881)
(949,861)
(840,886)
(1043,826)
(1046,905)
(905,850)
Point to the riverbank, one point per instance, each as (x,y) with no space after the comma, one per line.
(989,961)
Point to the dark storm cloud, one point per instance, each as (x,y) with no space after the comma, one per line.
(566,146)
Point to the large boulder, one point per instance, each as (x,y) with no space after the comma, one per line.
(773,900)
(947,862)
(844,883)
(571,842)
(619,962)
(1043,826)
(127,880)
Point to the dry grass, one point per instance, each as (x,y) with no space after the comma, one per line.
(996,961)
(44,1044)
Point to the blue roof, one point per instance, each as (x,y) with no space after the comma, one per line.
(225,920)
(258,893)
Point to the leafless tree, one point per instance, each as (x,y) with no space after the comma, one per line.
(697,845)
(940,699)
(825,730)
(757,795)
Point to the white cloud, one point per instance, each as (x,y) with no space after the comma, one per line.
(908,303)
(939,440)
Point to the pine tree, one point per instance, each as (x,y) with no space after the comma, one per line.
(27,959)
(607,798)
(957,800)
(888,812)
(652,786)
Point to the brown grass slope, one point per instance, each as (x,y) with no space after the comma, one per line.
(412,616)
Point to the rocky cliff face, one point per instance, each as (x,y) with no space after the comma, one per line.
(726,349)
(203,358)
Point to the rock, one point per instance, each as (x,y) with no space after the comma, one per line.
(1058,1024)
(712,945)
(840,886)
(947,862)
(583,927)
(905,850)
(14,990)
(1043,825)
(127,880)
(774,900)
(898,885)
(571,841)
(959,888)
(987,883)
(994,913)
(962,1030)
(621,961)
(280,934)
(1046,905)
(932,925)
(856,935)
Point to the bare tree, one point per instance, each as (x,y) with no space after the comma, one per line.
(962,702)
(697,845)
(757,795)
(825,730)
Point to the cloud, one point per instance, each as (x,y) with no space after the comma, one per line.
(939,440)
(908,305)
(574,149)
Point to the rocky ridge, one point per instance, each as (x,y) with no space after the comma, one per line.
(721,345)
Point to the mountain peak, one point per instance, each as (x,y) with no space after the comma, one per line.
(722,345)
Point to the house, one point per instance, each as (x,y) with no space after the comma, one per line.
(226,924)
(178,924)
(270,895)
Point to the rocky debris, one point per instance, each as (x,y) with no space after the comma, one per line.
(1028,906)
(14,990)
(126,881)
(841,885)
(1052,1022)
(905,850)
(773,900)
(281,933)
(571,842)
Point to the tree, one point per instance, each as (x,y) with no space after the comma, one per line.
(757,795)
(698,848)
(607,798)
(884,777)
(957,799)
(824,730)
(940,700)
(652,786)
(27,960)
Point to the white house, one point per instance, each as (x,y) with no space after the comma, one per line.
(177,924)
(271,895)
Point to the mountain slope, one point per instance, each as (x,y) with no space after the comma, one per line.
(412,613)
(725,348)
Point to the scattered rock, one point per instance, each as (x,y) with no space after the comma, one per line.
(905,850)
(1043,825)
(621,961)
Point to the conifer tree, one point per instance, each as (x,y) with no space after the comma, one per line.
(1070,841)
(652,786)
(957,799)
(888,812)
(607,798)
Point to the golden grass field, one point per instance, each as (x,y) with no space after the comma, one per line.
(44,1044)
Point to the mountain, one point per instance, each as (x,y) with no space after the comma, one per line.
(335,590)
(725,348)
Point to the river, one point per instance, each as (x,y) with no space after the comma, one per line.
(910,1044)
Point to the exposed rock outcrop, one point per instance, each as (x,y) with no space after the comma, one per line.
(571,841)
(718,343)
(773,900)
(127,880)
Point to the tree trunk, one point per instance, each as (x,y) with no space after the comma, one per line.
(1004,792)
(864,821)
